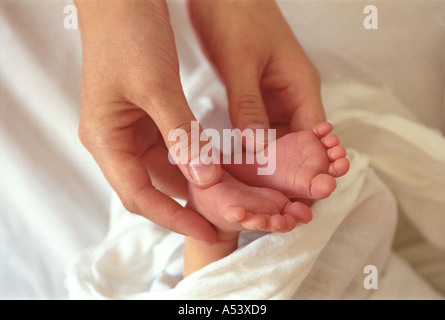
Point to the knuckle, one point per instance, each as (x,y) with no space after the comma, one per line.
(87,127)
(89,132)
(249,105)
(150,88)
(129,205)
(132,201)
(83,132)
(181,134)
(180,125)
(311,74)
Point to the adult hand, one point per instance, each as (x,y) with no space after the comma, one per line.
(131,100)
(270,81)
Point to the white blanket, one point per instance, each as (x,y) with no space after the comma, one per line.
(324,259)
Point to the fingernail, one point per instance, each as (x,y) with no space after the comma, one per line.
(201,173)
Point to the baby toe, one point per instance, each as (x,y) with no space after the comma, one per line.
(339,167)
(277,223)
(322,129)
(299,211)
(236,214)
(291,222)
(336,152)
(330,141)
(254,222)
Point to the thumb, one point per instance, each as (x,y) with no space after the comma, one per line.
(246,106)
(188,146)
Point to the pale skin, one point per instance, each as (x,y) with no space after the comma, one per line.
(307,164)
(132,94)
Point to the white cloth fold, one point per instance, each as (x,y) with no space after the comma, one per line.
(408,156)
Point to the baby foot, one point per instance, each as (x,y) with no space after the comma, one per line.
(307,163)
(232,206)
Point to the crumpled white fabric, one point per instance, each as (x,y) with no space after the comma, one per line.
(395,163)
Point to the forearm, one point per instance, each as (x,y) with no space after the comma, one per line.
(198,254)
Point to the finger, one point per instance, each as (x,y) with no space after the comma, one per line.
(308,114)
(165,176)
(164,211)
(246,106)
(303,93)
(131,181)
(188,146)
